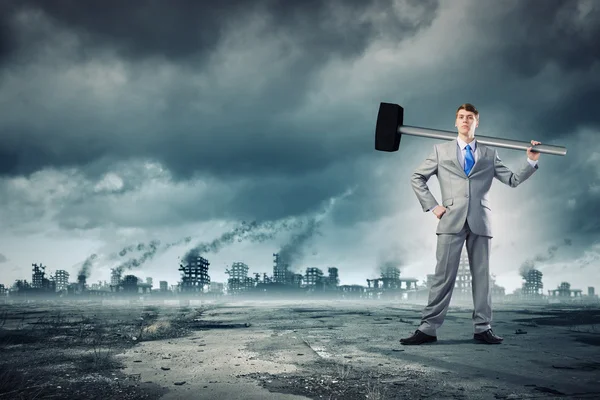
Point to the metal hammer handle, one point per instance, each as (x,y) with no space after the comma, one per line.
(486,140)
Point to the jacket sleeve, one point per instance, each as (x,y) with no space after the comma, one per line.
(506,176)
(419,179)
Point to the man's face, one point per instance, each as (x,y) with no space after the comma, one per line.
(466,122)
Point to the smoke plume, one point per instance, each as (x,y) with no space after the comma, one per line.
(137,262)
(531,263)
(293,251)
(129,249)
(389,259)
(253,232)
(260,232)
(149,246)
(185,240)
(87,266)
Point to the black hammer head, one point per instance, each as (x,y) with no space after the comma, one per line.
(389,118)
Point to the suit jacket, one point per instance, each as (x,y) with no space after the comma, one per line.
(465,197)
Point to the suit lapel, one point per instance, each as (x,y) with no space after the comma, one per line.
(483,150)
(453,154)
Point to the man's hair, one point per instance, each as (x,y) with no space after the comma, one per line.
(468,107)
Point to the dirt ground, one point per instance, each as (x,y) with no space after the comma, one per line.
(291,350)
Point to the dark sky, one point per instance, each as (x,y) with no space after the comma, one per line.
(127,122)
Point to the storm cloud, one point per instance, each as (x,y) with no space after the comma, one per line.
(192,99)
(124,123)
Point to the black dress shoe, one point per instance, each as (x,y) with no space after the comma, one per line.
(488,337)
(418,338)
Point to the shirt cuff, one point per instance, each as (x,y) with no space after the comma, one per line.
(533,163)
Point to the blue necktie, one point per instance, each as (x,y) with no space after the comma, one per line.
(469,160)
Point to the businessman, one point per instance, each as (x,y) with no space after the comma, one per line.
(465,170)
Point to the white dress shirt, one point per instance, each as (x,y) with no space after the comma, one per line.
(462,153)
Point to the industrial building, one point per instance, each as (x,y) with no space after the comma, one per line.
(532,286)
(195,276)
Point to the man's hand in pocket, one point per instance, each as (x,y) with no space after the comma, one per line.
(439,211)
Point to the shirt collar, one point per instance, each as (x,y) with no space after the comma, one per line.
(462,144)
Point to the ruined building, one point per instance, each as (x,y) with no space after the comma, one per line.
(21,286)
(282,274)
(61,277)
(39,280)
(564,292)
(296,280)
(115,277)
(390,282)
(129,284)
(164,286)
(194,276)
(266,279)
(390,272)
(239,281)
(39,285)
(217,288)
(280,271)
(314,279)
(81,282)
(533,286)
(37,277)
(333,280)
(463,286)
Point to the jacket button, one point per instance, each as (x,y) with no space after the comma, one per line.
(467,196)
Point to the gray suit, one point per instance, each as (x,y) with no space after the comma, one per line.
(467,219)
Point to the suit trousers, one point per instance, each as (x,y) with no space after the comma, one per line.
(449,248)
